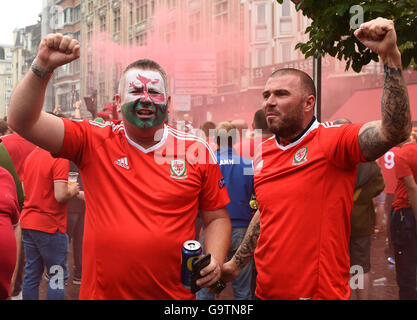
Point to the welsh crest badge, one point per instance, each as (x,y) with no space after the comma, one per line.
(300,156)
(178,169)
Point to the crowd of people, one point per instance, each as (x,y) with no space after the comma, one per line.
(147,187)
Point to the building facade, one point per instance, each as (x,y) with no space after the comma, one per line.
(24,50)
(229,38)
(6,78)
(65,18)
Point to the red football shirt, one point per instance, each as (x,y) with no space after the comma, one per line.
(9,215)
(387,164)
(405,165)
(141,206)
(248,147)
(9,207)
(41,211)
(18,148)
(305,196)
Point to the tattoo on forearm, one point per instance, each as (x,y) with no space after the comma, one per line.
(248,245)
(396,117)
(395,103)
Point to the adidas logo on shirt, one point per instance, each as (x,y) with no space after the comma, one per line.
(122,163)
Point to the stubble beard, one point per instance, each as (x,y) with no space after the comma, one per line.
(289,127)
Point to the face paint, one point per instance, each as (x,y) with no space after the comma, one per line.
(145,101)
(130,111)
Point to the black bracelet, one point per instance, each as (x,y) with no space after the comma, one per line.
(40,73)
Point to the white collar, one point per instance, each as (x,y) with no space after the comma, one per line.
(152,148)
(315,125)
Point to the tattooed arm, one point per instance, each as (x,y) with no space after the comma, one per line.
(377,137)
(244,253)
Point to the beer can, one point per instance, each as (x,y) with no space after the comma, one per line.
(191,250)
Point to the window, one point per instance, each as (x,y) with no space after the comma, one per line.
(7,96)
(68,16)
(261,28)
(102,88)
(103,23)
(77,13)
(194,5)
(220,15)
(77,36)
(141,39)
(89,32)
(224,70)
(76,66)
(261,57)
(194,26)
(9,54)
(130,14)
(90,6)
(171,32)
(152,7)
(9,82)
(90,62)
(286,51)
(261,14)
(286,8)
(141,10)
(171,4)
(116,20)
(285,25)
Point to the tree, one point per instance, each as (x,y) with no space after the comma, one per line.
(334,21)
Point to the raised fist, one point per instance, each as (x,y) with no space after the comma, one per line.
(379,35)
(56,50)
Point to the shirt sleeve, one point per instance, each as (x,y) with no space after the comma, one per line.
(402,168)
(75,140)
(213,195)
(60,170)
(341,144)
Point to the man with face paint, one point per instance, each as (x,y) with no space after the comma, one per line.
(144,181)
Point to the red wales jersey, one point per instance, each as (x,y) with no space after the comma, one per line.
(305,196)
(141,206)
(406,165)
(41,211)
(387,164)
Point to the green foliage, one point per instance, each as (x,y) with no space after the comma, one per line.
(330,30)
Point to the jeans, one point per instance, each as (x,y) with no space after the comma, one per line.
(75,231)
(243,282)
(45,250)
(404,240)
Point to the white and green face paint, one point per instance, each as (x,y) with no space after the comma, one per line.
(145,98)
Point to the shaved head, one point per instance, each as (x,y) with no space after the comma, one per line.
(307,83)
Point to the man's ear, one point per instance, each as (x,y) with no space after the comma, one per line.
(169,103)
(118,101)
(310,103)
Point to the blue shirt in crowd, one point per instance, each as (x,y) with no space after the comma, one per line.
(238,177)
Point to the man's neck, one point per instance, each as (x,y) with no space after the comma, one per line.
(146,138)
(287,140)
(267,134)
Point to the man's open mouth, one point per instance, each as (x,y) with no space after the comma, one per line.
(145,113)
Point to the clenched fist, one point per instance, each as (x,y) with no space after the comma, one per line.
(56,50)
(379,35)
